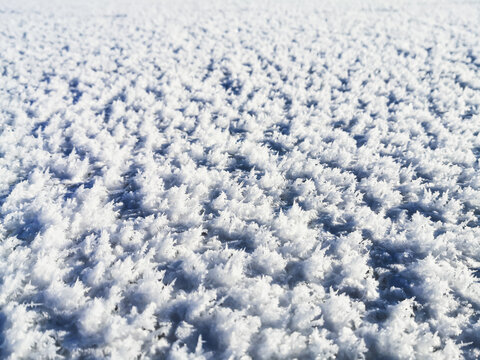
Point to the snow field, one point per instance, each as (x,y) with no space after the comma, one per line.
(236,180)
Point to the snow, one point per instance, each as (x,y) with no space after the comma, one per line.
(239,179)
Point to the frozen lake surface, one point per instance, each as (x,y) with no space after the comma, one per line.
(236,180)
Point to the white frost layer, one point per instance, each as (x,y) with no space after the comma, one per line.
(239,180)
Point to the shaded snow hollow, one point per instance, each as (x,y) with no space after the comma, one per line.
(239,180)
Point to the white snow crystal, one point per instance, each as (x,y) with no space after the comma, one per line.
(239,179)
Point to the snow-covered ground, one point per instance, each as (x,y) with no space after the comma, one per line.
(221,180)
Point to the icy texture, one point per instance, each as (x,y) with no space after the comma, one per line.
(192,180)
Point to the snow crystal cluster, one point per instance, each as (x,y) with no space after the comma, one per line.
(239,179)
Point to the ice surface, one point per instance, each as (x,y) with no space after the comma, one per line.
(235,180)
